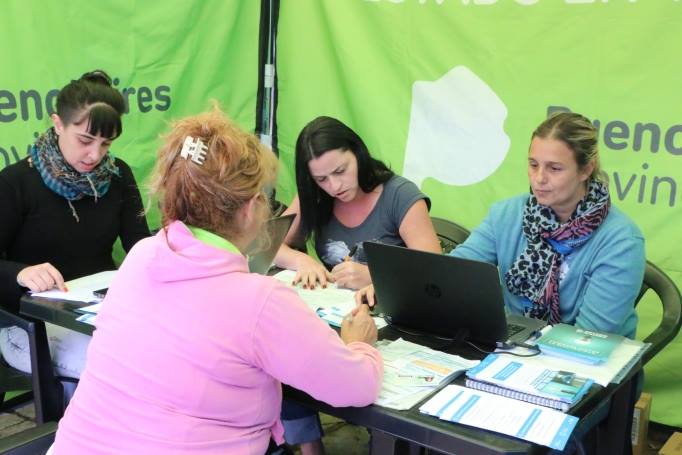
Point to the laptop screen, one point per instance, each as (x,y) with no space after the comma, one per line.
(437,294)
(277,228)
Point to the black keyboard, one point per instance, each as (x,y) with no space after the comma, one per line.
(513,329)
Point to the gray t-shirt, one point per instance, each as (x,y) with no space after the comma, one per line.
(381,225)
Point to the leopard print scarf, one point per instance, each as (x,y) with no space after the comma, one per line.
(535,274)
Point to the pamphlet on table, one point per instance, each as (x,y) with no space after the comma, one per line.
(523,420)
(613,370)
(581,345)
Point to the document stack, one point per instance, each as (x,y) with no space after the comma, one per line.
(412,372)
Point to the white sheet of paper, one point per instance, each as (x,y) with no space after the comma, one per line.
(81,289)
(331,296)
(504,415)
(336,302)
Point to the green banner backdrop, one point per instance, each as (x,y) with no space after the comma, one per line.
(167,60)
(448,92)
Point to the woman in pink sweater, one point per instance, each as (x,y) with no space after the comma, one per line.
(190,348)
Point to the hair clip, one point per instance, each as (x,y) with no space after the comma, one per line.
(196,148)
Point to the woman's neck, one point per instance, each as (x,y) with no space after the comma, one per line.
(565,211)
(355,212)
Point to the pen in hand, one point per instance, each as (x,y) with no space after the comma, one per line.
(351,253)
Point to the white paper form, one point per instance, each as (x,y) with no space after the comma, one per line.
(332,304)
(504,415)
(328,297)
(81,289)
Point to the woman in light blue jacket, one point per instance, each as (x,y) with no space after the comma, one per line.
(564,252)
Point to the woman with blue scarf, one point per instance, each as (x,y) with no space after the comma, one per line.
(564,252)
(63,207)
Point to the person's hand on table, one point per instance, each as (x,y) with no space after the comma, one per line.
(41,277)
(351,275)
(365,297)
(359,326)
(309,272)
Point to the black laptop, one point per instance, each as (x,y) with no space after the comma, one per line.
(443,295)
(277,228)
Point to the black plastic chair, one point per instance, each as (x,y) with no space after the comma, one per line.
(669,295)
(30,442)
(46,389)
(657,281)
(449,233)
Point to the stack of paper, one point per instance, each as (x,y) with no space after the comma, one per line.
(616,367)
(614,370)
(412,372)
(504,415)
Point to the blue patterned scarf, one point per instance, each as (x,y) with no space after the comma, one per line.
(536,272)
(63,179)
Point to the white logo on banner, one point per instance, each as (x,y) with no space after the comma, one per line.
(456,130)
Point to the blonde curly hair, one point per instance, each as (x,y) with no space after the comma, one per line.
(237,167)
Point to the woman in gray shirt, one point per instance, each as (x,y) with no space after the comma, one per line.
(346,197)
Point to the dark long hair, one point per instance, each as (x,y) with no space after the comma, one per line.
(92,96)
(318,137)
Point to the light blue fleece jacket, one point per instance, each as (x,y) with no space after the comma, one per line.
(599,281)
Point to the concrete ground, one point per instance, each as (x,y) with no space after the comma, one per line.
(342,438)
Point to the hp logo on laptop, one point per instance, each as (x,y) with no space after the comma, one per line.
(432,290)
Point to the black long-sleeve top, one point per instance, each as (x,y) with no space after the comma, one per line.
(37,225)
